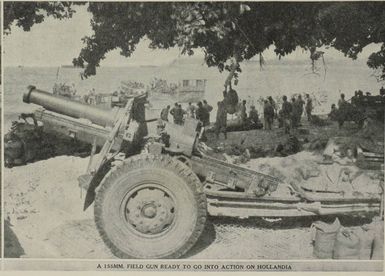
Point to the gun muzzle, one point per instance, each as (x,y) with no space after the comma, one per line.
(65,106)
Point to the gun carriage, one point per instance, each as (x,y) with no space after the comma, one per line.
(153,190)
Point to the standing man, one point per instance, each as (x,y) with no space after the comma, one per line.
(274,106)
(173,110)
(92,97)
(268,114)
(286,114)
(230,99)
(295,113)
(221,120)
(191,110)
(382,91)
(308,107)
(341,101)
(164,113)
(354,98)
(254,117)
(333,115)
(203,116)
(343,108)
(208,108)
(177,113)
(242,111)
(181,112)
(300,104)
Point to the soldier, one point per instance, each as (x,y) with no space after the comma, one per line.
(182,113)
(202,114)
(295,113)
(355,98)
(343,108)
(333,115)
(164,113)
(92,97)
(253,116)
(209,108)
(191,110)
(268,114)
(177,113)
(300,104)
(286,114)
(242,111)
(308,107)
(231,100)
(221,120)
(341,101)
(172,111)
(273,104)
(382,91)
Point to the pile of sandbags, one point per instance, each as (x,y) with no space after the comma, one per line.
(332,241)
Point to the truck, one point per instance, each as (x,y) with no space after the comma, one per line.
(152,186)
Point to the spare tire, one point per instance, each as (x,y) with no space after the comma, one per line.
(151,206)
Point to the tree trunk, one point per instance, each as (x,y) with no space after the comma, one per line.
(233,69)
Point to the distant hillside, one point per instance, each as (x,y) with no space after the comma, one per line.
(187,60)
(289,60)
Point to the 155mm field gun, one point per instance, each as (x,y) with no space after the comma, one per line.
(153,186)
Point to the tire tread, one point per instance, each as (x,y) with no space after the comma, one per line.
(160,161)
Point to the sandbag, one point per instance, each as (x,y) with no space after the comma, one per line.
(366,242)
(377,226)
(325,236)
(347,245)
(378,247)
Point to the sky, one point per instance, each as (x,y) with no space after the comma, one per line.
(56,42)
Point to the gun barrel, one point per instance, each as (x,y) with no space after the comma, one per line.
(67,107)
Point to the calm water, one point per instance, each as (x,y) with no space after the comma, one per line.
(275,79)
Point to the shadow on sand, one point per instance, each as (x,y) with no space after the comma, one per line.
(209,234)
(12,246)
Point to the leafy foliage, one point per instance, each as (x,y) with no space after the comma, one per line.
(26,14)
(227,32)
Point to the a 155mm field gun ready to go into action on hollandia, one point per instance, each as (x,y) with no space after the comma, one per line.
(152,184)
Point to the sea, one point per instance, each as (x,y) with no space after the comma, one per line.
(275,78)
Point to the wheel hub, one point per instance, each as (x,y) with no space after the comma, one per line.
(150,210)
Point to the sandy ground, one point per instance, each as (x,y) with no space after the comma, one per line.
(43,204)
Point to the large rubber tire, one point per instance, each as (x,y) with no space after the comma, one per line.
(134,182)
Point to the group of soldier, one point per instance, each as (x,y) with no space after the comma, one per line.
(289,117)
(354,110)
(290,114)
(201,111)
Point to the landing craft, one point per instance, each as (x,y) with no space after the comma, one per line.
(186,90)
